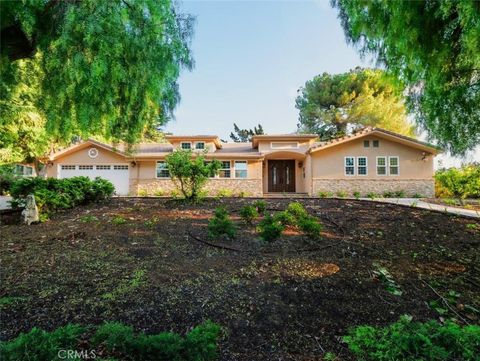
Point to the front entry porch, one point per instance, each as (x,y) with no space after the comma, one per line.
(281,176)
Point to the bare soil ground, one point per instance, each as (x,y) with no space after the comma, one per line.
(292,299)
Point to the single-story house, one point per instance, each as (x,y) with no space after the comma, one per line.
(370,160)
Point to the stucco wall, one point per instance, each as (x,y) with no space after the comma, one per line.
(411,187)
(81,157)
(329,163)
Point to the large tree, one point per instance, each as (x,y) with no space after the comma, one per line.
(245,135)
(433,47)
(106,67)
(330,105)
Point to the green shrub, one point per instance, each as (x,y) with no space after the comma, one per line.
(323,194)
(270,228)
(261,206)
(159,193)
(341,194)
(52,194)
(40,345)
(222,193)
(460,183)
(118,341)
(190,173)
(285,218)
(221,224)
(357,195)
(417,195)
(248,214)
(118,220)
(297,210)
(199,344)
(394,194)
(310,226)
(412,341)
(143,193)
(372,195)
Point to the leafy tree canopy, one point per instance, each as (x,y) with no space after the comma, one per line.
(330,105)
(433,47)
(245,135)
(106,67)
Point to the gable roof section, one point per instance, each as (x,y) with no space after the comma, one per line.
(386,134)
(82,145)
(179,138)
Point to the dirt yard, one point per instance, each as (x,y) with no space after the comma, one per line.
(135,261)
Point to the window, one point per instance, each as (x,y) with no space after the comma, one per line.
(225,170)
(366,143)
(186,145)
(284,145)
(162,170)
(381,165)
(393,165)
(19,169)
(200,145)
(349,165)
(240,169)
(362,166)
(103,167)
(375,143)
(68,167)
(85,167)
(28,170)
(120,167)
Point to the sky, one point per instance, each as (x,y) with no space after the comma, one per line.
(251,57)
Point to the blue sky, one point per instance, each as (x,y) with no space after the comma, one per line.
(250,59)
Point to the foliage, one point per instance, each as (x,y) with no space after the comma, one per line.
(119,220)
(248,213)
(40,345)
(245,135)
(372,195)
(285,218)
(189,172)
(323,194)
(357,195)
(261,206)
(117,340)
(199,344)
(331,105)
(412,341)
(104,67)
(224,192)
(341,194)
(297,210)
(221,224)
(52,194)
(7,178)
(310,226)
(394,194)
(433,48)
(270,228)
(387,279)
(461,182)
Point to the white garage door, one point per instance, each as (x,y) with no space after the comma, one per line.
(115,173)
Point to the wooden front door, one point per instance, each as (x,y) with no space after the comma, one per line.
(281,176)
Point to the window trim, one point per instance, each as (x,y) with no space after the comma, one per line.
(366,143)
(156,170)
(297,145)
(373,143)
(229,169)
(366,166)
(204,145)
(398,165)
(235,169)
(345,166)
(386,165)
(182,143)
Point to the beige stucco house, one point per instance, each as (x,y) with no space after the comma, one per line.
(371,160)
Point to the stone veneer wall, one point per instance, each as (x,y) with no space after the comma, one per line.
(250,187)
(424,187)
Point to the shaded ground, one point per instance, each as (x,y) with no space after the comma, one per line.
(132,260)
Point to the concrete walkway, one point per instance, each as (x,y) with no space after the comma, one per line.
(415,202)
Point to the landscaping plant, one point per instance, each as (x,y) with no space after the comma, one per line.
(221,224)
(52,194)
(310,226)
(413,341)
(270,228)
(190,172)
(261,206)
(460,183)
(248,213)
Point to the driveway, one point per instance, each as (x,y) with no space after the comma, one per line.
(5,202)
(415,202)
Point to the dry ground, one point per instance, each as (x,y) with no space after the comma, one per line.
(292,299)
